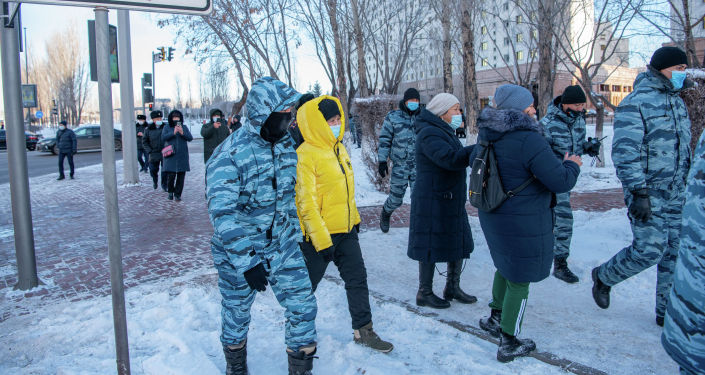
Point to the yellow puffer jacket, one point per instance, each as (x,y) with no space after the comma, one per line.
(325,186)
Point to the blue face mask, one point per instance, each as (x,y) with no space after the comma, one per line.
(336,130)
(677,79)
(456,121)
(412,106)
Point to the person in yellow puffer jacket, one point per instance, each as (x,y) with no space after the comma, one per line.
(325,201)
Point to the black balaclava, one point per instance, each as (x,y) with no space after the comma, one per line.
(275,127)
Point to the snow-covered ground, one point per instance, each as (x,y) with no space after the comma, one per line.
(174,324)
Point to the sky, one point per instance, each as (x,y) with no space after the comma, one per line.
(41,21)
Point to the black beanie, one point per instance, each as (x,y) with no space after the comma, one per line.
(141,117)
(666,57)
(155,114)
(411,93)
(573,95)
(329,108)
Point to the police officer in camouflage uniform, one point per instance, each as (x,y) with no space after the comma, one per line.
(397,142)
(250,191)
(651,153)
(683,336)
(564,129)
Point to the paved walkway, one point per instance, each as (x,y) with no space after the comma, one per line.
(160,238)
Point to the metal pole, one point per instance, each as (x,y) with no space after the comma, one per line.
(110,187)
(17,157)
(154,86)
(127,100)
(26,66)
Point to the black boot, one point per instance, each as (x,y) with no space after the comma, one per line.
(511,347)
(600,291)
(491,324)
(171,196)
(384,220)
(452,289)
(236,360)
(562,272)
(425,296)
(301,363)
(61,177)
(659,321)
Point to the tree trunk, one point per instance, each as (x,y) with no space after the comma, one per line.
(689,40)
(342,90)
(359,44)
(545,75)
(472,102)
(447,61)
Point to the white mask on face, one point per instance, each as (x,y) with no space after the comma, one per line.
(62,127)
(158,122)
(141,122)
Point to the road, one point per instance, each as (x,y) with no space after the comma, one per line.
(41,163)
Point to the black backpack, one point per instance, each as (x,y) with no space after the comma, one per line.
(486,189)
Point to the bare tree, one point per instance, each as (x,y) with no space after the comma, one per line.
(313,15)
(443,10)
(357,7)
(467,13)
(179,97)
(338,44)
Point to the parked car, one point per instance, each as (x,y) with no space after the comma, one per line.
(30,140)
(87,138)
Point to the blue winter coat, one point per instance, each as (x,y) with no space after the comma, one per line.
(520,232)
(179,161)
(66,141)
(439,230)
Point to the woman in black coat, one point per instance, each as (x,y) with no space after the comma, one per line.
(152,142)
(439,230)
(176,165)
(519,233)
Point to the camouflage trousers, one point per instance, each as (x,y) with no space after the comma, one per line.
(655,241)
(288,278)
(401,178)
(563,228)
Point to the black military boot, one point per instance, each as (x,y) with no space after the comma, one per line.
(562,272)
(491,324)
(236,359)
(511,347)
(384,220)
(301,362)
(425,296)
(600,291)
(452,289)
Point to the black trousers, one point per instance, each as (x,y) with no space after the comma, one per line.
(142,158)
(347,256)
(154,172)
(175,182)
(63,155)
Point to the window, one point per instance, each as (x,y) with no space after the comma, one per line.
(532,53)
(506,57)
(484,13)
(535,34)
(605,88)
(82,131)
(506,24)
(484,30)
(616,88)
(629,88)
(506,41)
(533,15)
(94,131)
(506,6)
(485,63)
(519,19)
(520,55)
(484,102)
(520,38)
(484,46)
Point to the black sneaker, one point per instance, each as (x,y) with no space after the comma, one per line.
(511,347)
(600,291)
(178,198)
(384,221)
(61,178)
(171,196)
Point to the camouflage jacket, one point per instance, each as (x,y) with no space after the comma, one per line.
(397,138)
(563,133)
(651,144)
(250,183)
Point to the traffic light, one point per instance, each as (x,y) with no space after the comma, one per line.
(150,107)
(163,52)
(147,95)
(171,53)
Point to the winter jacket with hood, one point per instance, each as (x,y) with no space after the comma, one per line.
(325,185)
(519,233)
(439,229)
(563,132)
(212,137)
(152,142)
(66,141)
(250,185)
(179,162)
(651,144)
(397,137)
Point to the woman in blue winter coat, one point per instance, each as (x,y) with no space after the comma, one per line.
(439,229)
(176,165)
(519,233)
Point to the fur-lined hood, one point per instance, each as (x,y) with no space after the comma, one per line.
(506,120)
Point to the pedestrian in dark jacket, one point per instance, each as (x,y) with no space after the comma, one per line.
(234,123)
(152,141)
(213,133)
(439,229)
(519,233)
(66,143)
(176,165)
(142,156)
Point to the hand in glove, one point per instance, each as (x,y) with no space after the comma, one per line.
(257,277)
(640,209)
(383,169)
(327,254)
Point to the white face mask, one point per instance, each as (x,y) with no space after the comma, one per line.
(62,127)
(216,119)
(141,122)
(158,122)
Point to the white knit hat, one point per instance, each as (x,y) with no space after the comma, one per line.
(441,103)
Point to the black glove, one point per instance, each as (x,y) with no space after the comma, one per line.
(327,254)
(640,209)
(383,169)
(592,148)
(257,277)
